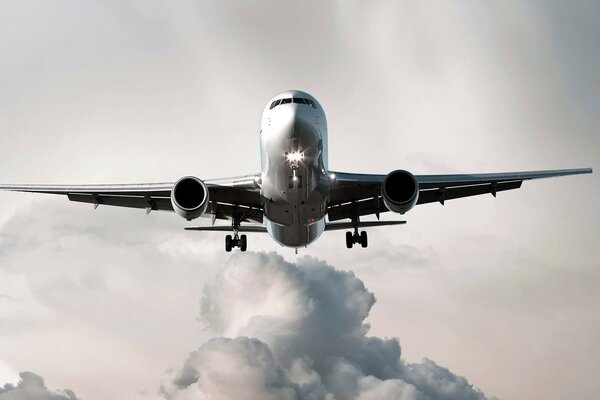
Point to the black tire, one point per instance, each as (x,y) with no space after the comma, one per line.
(363,239)
(243,242)
(228,243)
(349,240)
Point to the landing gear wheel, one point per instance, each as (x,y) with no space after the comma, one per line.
(349,240)
(243,242)
(363,239)
(228,243)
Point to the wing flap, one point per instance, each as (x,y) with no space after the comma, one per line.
(225,211)
(436,181)
(357,208)
(234,195)
(443,194)
(147,202)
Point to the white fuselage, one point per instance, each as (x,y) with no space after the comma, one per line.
(294,178)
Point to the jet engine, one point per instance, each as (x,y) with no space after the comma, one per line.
(400,191)
(189,197)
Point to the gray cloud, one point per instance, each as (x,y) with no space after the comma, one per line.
(240,368)
(32,387)
(298,331)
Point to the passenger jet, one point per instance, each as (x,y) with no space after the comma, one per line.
(295,197)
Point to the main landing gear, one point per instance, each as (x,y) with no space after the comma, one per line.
(236,241)
(239,241)
(355,237)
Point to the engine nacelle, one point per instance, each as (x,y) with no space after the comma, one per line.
(189,197)
(400,191)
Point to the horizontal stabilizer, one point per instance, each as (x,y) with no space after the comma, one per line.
(260,229)
(334,226)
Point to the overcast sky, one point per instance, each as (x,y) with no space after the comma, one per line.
(501,291)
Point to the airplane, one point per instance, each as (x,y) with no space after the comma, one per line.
(295,197)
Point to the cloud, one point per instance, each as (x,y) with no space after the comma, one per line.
(32,387)
(298,331)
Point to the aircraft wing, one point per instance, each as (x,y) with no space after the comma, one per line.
(225,195)
(360,194)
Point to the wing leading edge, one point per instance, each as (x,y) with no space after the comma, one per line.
(360,194)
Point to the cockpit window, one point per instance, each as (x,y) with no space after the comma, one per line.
(274,104)
(297,100)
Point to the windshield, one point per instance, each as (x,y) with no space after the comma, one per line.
(296,100)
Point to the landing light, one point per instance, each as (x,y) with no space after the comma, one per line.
(295,157)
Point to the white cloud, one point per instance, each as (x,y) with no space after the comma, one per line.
(297,331)
(32,387)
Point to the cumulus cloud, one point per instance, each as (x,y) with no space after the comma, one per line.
(298,331)
(32,387)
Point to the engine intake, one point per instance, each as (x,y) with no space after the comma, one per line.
(400,191)
(189,197)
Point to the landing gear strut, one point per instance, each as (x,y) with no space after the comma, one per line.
(355,237)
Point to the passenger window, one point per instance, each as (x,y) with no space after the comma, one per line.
(286,101)
(298,100)
(275,104)
(311,103)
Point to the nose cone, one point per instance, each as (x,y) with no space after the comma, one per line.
(295,125)
(292,122)
(288,115)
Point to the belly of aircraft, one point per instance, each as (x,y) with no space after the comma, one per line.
(295,193)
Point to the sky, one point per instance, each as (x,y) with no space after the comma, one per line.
(111,303)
